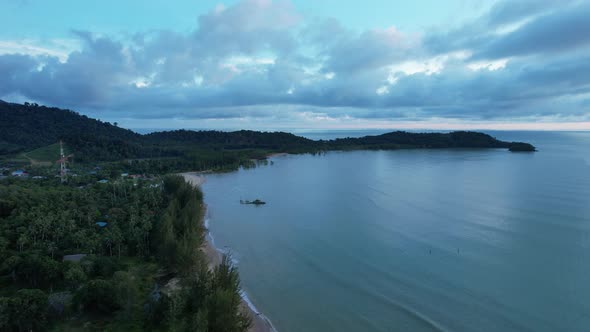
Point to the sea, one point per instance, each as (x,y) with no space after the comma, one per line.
(413,240)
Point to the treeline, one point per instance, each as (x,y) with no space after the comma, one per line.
(207,300)
(25,127)
(180,234)
(237,140)
(405,140)
(101,257)
(401,140)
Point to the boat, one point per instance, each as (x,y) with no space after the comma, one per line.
(254,202)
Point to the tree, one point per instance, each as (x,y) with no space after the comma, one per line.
(28,310)
(74,276)
(5,314)
(127,292)
(224,301)
(51,248)
(37,270)
(3,247)
(98,296)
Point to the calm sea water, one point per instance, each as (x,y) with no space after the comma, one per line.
(452,240)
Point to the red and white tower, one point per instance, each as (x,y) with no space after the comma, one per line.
(62,162)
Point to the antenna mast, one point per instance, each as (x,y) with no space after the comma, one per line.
(62,160)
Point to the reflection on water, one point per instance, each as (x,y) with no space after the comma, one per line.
(457,240)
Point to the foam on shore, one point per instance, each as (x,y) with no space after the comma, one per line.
(227,251)
(261,323)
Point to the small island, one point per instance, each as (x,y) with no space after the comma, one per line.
(521,147)
(254,202)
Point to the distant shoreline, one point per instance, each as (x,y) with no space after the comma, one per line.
(260,323)
(277,154)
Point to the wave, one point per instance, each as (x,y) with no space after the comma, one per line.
(234,261)
(255,310)
(417,315)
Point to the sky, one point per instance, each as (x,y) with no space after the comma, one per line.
(303,64)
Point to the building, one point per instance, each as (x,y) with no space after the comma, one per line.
(73,258)
(20,173)
(101,224)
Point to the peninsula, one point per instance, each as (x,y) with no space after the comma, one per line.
(25,128)
(113,233)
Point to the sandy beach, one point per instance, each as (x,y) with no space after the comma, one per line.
(194,178)
(214,256)
(277,154)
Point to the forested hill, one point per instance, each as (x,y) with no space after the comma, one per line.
(243,139)
(29,126)
(401,139)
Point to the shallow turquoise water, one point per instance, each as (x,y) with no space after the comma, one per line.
(458,240)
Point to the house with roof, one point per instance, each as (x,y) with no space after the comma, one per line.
(19,173)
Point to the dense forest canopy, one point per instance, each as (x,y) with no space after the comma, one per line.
(101,257)
(29,126)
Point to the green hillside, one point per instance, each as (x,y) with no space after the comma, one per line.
(47,154)
(34,130)
(29,127)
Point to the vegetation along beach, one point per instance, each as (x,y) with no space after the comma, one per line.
(294,165)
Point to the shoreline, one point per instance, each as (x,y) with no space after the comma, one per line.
(260,323)
(277,154)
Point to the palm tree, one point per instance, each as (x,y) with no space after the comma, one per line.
(51,248)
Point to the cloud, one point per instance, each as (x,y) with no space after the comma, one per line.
(248,27)
(518,28)
(558,31)
(368,50)
(59,48)
(12,69)
(508,11)
(262,59)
